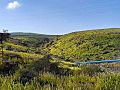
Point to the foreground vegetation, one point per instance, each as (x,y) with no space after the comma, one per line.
(44,62)
(49,81)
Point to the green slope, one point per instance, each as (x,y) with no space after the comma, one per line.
(25,46)
(31,70)
(89,45)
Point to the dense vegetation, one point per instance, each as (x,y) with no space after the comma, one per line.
(88,45)
(46,62)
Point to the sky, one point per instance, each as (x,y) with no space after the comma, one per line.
(58,16)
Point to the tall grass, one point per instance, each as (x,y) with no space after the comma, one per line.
(48,81)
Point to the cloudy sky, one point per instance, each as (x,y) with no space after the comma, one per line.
(58,16)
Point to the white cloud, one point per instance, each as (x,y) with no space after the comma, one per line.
(13,5)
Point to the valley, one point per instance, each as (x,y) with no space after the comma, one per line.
(48,62)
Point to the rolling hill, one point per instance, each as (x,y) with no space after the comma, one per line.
(32,39)
(88,45)
(26,46)
(42,62)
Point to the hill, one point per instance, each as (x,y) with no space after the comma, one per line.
(35,61)
(30,34)
(33,39)
(22,33)
(88,45)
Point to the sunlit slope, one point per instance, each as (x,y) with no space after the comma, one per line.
(89,45)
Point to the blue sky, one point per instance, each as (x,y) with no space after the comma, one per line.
(59,16)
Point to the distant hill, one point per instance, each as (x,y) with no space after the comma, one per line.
(30,34)
(89,45)
(22,33)
(33,39)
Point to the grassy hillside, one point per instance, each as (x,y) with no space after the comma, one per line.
(38,62)
(89,45)
(26,47)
